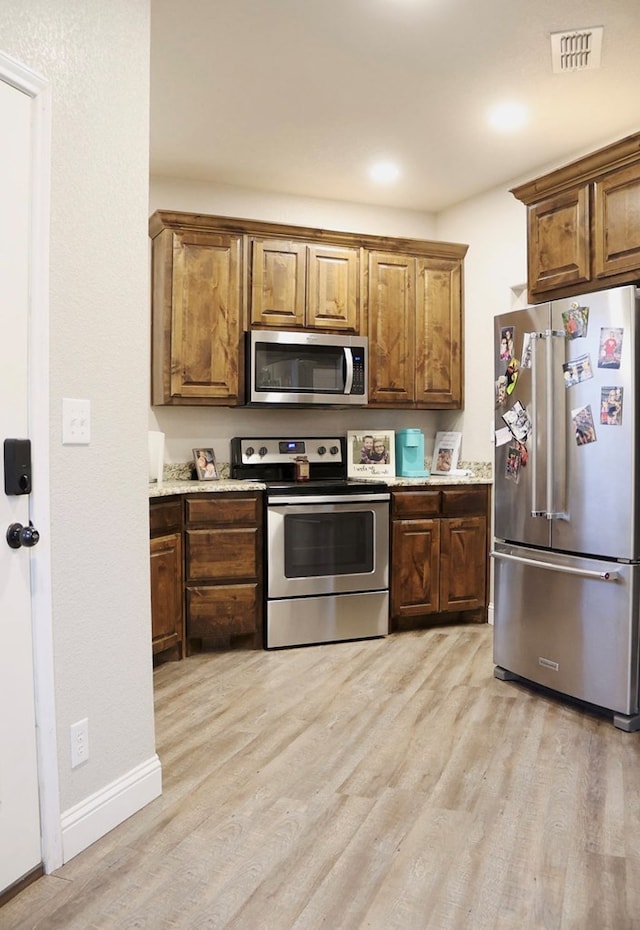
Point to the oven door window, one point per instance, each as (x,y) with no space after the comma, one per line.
(337,543)
(299,369)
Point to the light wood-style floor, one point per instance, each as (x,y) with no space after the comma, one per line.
(388,784)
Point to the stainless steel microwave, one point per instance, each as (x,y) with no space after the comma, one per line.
(285,367)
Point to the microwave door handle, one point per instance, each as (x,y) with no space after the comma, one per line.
(348,379)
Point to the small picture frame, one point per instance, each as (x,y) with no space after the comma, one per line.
(371,453)
(446,453)
(205,462)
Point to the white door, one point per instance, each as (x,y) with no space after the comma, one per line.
(20,845)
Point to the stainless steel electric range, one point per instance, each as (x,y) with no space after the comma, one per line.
(327,541)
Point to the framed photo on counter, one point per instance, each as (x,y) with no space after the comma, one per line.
(371,453)
(446,453)
(205,462)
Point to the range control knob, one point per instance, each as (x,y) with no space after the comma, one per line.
(322,450)
(334,450)
(249,451)
(262,450)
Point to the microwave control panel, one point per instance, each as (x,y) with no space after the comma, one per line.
(358,385)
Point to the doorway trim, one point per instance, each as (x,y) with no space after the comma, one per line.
(38,88)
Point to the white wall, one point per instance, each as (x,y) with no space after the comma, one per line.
(495,227)
(188,427)
(96,57)
(225,200)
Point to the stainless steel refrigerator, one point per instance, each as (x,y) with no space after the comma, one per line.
(567,539)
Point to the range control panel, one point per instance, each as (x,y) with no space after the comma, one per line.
(256,451)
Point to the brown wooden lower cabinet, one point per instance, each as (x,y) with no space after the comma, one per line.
(223,570)
(439,554)
(167,587)
(213,597)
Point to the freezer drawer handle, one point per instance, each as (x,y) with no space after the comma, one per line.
(582,572)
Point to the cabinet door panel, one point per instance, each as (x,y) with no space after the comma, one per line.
(463,550)
(278,283)
(205,317)
(391,328)
(332,292)
(415,578)
(617,222)
(439,333)
(220,555)
(166,591)
(558,234)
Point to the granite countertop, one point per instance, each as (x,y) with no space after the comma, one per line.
(177,486)
(399,481)
(176,481)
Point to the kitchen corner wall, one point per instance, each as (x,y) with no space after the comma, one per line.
(95,56)
(494,225)
(186,428)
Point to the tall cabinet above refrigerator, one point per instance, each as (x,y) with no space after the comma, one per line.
(567,538)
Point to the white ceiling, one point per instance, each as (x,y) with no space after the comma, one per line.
(300,96)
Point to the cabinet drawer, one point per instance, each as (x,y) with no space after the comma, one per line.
(164,515)
(464,500)
(222,610)
(415,503)
(224,509)
(222,554)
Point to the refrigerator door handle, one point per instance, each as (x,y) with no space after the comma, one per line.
(536,510)
(557,427)
(612,575)
(548,396)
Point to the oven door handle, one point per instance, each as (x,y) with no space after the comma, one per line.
(302,499)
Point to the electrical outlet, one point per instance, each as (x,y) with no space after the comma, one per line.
(76,422)
(79,742)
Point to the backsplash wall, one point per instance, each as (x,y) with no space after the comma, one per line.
(186,428)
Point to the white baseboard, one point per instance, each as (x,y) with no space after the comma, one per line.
(87,821)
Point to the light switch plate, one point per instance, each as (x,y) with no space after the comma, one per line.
(76,422)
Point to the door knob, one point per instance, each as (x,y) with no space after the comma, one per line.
(19,535)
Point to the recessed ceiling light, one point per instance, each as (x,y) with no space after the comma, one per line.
(507,117)
(384,172)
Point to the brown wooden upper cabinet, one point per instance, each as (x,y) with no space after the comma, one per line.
(415,330)
(298,285)
(196,317)
(583,223)
(216,277)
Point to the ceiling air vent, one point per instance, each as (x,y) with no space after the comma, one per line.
(578,50)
